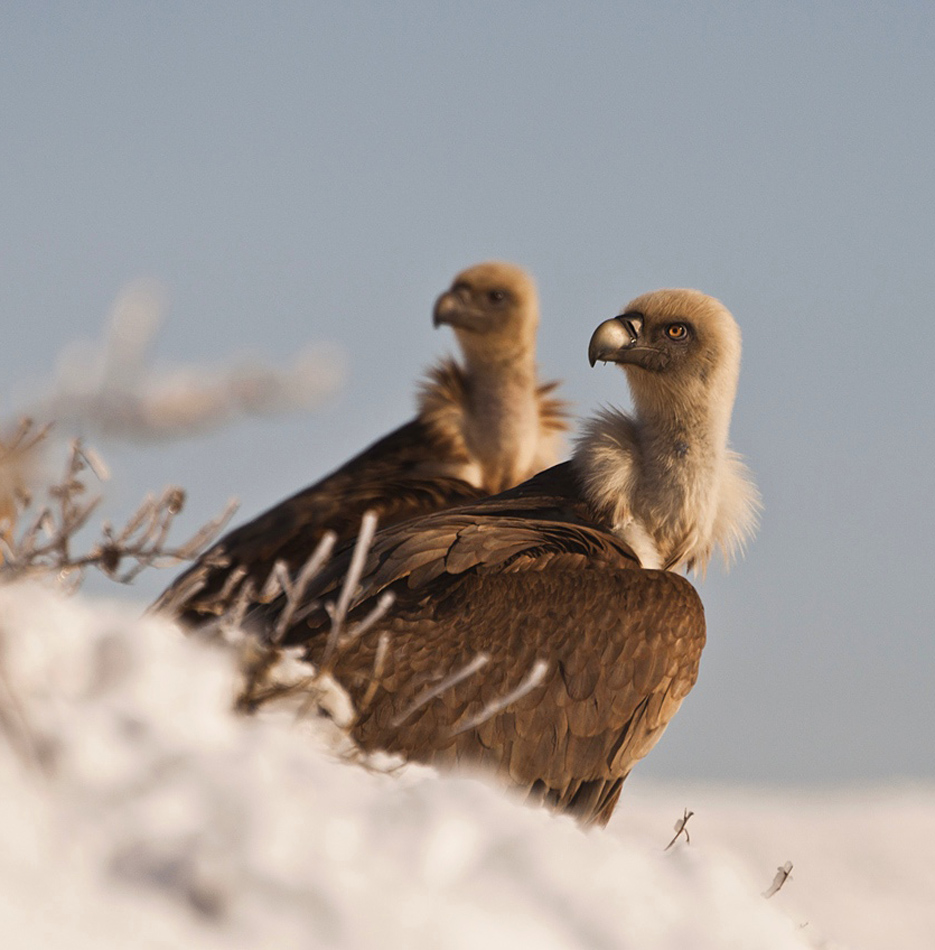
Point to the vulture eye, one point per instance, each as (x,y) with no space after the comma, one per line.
(496,296)
(677,331)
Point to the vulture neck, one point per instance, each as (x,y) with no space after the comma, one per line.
(493,426)
(696,416)
(500,424)
(664,478)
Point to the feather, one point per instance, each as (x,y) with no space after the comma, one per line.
(482,426)
(545,577)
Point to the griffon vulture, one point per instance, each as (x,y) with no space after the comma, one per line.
(483,425)
(541,633)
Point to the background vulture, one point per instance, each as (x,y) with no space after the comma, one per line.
(482,426)
(526,636)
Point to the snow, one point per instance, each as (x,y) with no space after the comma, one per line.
(140,811)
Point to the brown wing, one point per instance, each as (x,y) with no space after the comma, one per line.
(620,645)
(544,512)
(400,476)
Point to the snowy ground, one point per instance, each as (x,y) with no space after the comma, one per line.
(138,811)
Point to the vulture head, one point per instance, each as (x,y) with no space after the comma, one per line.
(680,349)
(666,476)
(493,309)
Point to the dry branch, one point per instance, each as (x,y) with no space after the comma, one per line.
(469,669)
(782,875)
(532,680)
(681,828)
(45,546)
(338,611)
(114,387)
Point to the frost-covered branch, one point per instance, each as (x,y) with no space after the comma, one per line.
(338,611)
(112,388)
(469,669)
(42,538)
(535,676)
(271,671)
(20,455)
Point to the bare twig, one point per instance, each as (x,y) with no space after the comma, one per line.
(263,673)
(45,545)
(278,582)
(681,828)
(113,386)
(294,592)
(19,454)
(469,669)
(338,611)
(379,611)
(379,661)
(782,875)
(532,680)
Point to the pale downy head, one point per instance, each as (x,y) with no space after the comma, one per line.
(681,353)
(666,473)
(493,309)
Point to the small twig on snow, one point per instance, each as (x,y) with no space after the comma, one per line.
(681,828)
(782,875)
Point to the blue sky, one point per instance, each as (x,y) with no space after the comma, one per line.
(299,173)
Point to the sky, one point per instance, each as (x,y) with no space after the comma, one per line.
(299,174)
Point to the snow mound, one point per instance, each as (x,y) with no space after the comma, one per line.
(139,810)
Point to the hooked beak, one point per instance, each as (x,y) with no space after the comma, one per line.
(452,310)
(445,307)
(613,338)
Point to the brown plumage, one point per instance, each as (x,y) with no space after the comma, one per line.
(483,425)
(543,577)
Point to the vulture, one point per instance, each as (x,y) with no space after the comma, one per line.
(543,633)
(483,425)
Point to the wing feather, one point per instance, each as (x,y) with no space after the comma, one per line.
(398,476)
(619,664)
(521,578)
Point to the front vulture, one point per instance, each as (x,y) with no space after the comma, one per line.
(482,426)
(541,633)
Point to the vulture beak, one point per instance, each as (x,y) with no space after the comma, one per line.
(615,340)
(452,310)
(444,309)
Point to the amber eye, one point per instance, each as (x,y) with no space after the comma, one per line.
(677,331)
